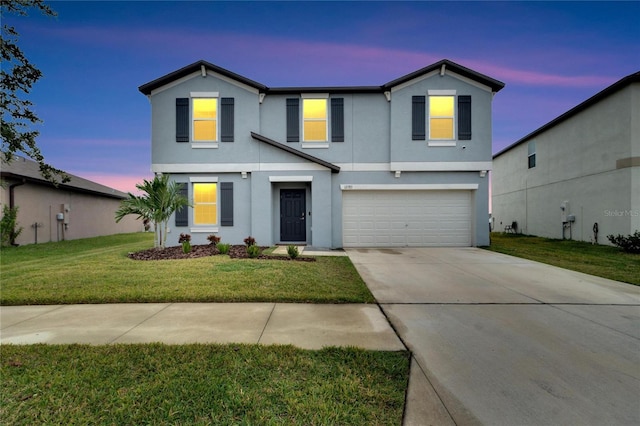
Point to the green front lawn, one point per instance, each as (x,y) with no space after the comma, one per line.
(200,384)
(603,261)
(97,270)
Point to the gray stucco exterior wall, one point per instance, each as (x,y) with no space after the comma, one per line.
(590,163)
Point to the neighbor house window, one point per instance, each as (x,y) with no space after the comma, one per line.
(314,115)
(205,203)
(532,154)
(441,117)
(205,119)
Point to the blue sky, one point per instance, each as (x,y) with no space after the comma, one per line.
(94,55)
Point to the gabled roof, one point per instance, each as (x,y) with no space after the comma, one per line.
(190,69)
(495,85)
(618,85)
(264,139)
(23,169)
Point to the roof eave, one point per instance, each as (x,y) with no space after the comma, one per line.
(494,84)
(325,89)
(608,91)
(260,138)
(196,66)
(116,194)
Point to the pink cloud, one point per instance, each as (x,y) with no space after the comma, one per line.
(318,56)
(124,183)
(534,78)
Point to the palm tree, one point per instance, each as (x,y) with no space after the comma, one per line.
(160,200)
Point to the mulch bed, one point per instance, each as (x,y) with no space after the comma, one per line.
(235,252)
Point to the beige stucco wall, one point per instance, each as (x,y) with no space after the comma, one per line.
(585,161)
(89,215)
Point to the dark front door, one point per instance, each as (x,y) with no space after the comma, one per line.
(292,215)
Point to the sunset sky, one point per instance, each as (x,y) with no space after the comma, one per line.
(94,55)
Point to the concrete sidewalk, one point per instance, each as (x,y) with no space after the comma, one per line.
(306,326)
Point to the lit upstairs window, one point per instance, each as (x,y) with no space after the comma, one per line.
(441,117)
(205,120)
(314,113)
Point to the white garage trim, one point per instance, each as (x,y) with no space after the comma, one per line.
(410,187)
(413,217)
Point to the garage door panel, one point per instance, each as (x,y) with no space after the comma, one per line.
(406,218)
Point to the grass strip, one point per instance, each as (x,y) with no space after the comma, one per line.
(599,260)
(200,384)
(97,270)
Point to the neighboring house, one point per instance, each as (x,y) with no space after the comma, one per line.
(579,172)
(402,164)
(77,209)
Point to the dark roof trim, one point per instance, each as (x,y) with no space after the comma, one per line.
(330,89)
(24,169)
(68,187)
(495,85)
(260,138)
(619,85)
(197,66)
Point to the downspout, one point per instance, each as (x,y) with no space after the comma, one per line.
(12,200)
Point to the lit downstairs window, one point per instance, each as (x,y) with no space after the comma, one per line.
(441,117)
(314,114)
(205,205)
(205,120)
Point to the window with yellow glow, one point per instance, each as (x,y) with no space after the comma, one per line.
(205,206)
(314,114)
(441,115)
(205,119)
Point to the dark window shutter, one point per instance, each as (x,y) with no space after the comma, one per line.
(293,120)
(418,118)
(464,118)
(182,119)
(227,119)
(182,214)
(226,203)
(337,120)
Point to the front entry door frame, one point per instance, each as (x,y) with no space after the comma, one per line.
(293,217)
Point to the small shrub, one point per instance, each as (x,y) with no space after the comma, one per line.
(185,240)
(629,244)
(9,229)
(223,248)
(253,251)
(213,239)
(293,251)
(250,241)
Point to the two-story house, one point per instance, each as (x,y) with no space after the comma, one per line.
(401,164)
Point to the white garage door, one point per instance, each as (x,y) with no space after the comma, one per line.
(406,218)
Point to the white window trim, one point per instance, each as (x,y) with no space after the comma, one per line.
(439,142)
(209,227)
(205,144)
(319,143)
(314,145)
(447,92)
(203,179)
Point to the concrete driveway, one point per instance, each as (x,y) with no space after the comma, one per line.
(499,340)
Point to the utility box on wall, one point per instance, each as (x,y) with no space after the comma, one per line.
(66,208)
(564,211)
